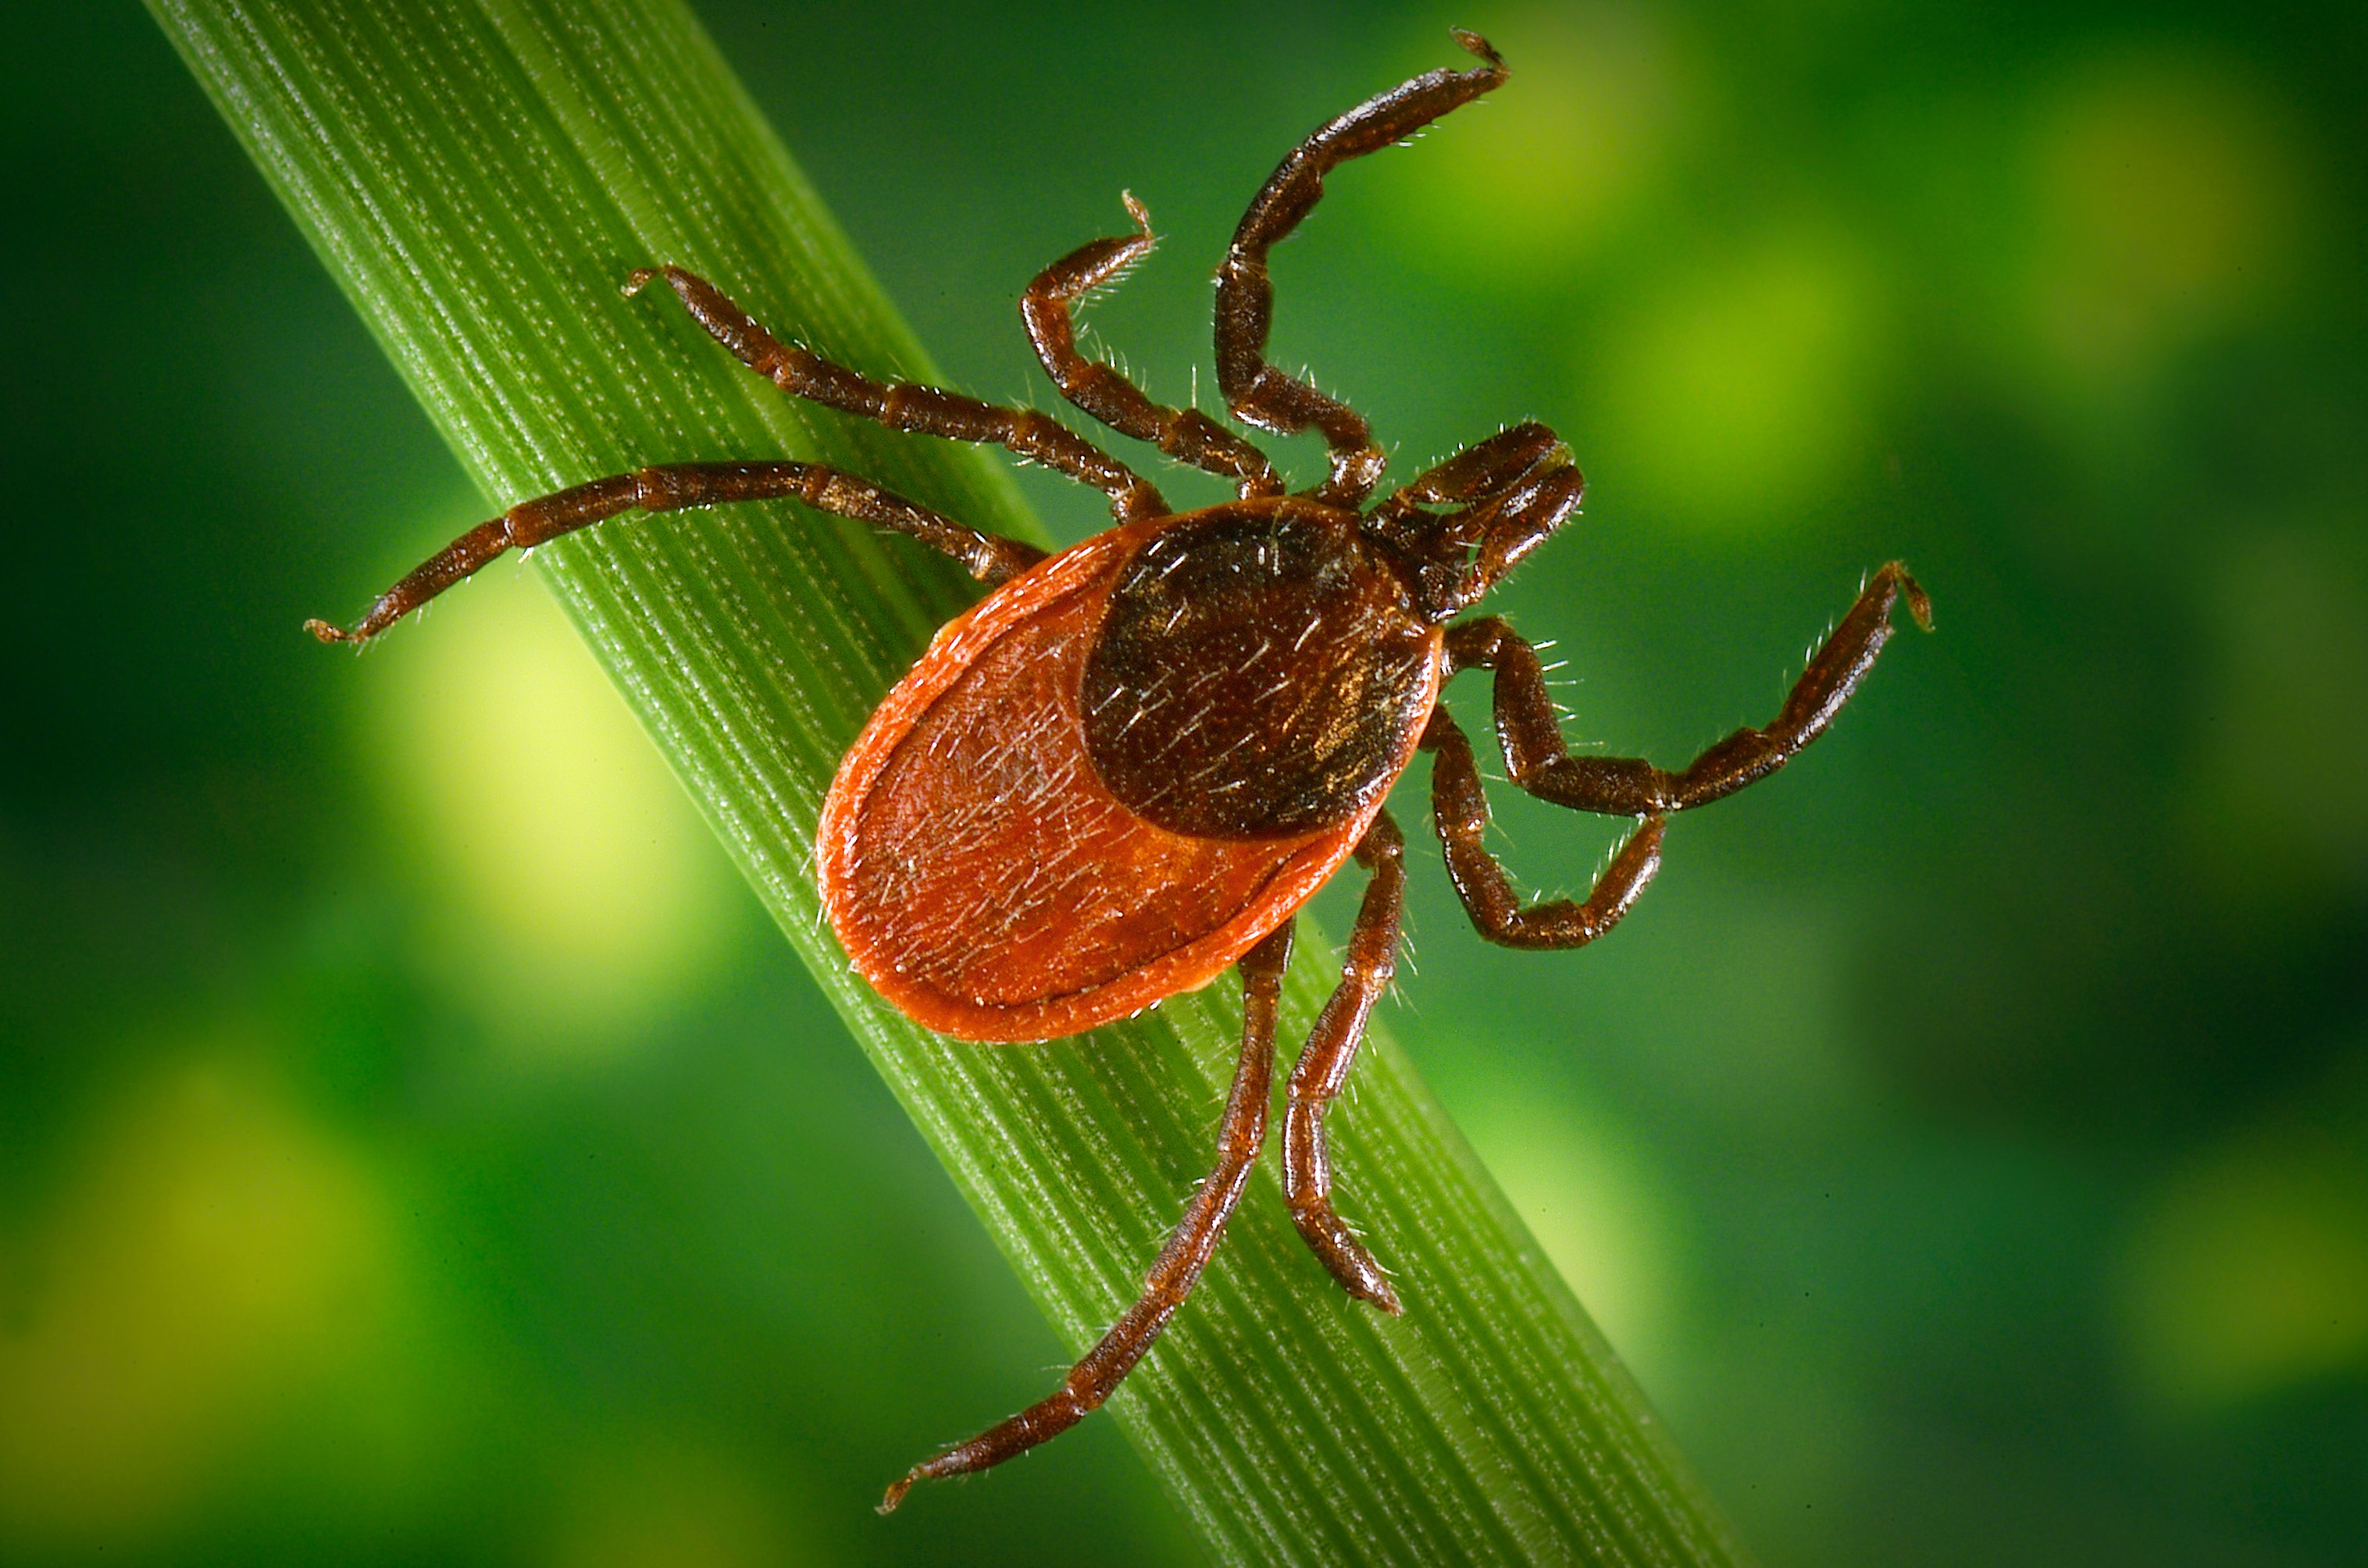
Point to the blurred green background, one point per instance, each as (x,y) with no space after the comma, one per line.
(1966,1142)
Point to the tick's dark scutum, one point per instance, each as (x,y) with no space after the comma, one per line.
(1259,672)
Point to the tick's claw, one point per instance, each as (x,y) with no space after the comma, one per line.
(1369,1286)
(1919,603)
(329,634)
(1476,44)
(896,1493)
(638,280)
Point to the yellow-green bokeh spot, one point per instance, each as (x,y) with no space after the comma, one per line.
(1740,391)
(212,1258)
(2167,205)
(1599,1207)
(2274,789)
(675,1499)
(577,890)
(2249,1273)
(1544,172)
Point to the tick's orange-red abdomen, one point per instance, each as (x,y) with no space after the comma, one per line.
(981,877)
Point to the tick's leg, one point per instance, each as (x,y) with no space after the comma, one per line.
(1460,811)
(902,406)
(1188,1251)
(1187,435)
(1629,787)
(671,488)
(1323,1067)
(1259,393)
(1510,492)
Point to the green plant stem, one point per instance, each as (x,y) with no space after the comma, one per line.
(478,175)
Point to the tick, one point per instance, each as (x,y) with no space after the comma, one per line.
(1127,767)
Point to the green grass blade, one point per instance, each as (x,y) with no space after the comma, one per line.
(478,175)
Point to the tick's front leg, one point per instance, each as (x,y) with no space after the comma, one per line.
(1185,433)
(1257,390)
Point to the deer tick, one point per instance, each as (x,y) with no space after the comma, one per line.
(1127,767)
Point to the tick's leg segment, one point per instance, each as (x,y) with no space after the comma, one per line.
(1188,1252)
(902,406)
(1460,811)
(1323,1067)
(669,489)
(1259,393)
(1512,491)
(1187,435)
(1629,787)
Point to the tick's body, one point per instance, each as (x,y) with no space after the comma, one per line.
(1127,767)
(1109,781)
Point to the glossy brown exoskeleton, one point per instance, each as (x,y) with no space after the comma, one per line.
(1126,768)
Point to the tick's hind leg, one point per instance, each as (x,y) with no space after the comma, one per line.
(1323,1069)
(1460,812)
(1630,787)
(670,488)
(906,405)
(1188,1251)
(1187,435)
(1257,392)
